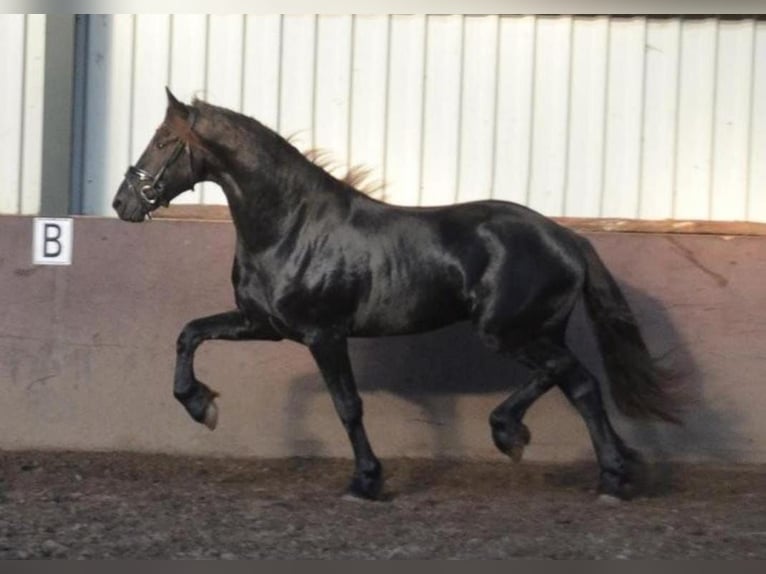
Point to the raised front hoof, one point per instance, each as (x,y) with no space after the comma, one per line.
(211,416)
(199,402)
(364,487)
(511,438)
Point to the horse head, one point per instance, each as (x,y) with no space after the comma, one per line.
(165,168)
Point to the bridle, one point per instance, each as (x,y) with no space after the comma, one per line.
(150,188)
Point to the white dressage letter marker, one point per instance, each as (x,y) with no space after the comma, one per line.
(52,241)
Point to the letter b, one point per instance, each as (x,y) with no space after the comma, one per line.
(51,240)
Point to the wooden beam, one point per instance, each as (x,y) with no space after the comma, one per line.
(664,226)
(221,213)
(194,212)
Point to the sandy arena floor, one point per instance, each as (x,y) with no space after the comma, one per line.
(77,505)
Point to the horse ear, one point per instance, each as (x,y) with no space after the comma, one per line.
(174,104)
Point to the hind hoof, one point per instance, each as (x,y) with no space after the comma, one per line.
(613,485)
(511,439)
(608,500)
(366,486)
(211,416)
(364,489)
(351,497)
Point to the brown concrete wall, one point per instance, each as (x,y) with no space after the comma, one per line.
(87,355)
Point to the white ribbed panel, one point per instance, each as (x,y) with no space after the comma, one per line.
(756,188)
(624,117)
(478,109)
(696,103)
(111,126)
(406,85)
(731,135)
(152,60)
(22,61)
(515,108)
(261,81)
(298,67)
(582,116)
(550,116)
(660,111)
(587,120)
(367,143)
(188,72)
(441,108)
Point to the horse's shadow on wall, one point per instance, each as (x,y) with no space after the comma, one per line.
(433,370)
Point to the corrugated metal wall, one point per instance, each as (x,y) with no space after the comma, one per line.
(22,68)
(582,116)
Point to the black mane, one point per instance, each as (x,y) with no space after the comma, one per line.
(357,177)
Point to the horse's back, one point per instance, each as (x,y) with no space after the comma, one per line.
(489,261)
(385,270)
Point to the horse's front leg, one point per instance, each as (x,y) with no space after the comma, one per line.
(332,358)
(195,396)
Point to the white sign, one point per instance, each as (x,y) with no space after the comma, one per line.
(52,241)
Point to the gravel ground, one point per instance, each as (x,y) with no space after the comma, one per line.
(118,505)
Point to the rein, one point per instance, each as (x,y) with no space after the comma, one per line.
(150,188)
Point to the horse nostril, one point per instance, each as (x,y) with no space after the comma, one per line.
(117,203)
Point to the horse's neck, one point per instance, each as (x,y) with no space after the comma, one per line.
(265,203)
(256,209)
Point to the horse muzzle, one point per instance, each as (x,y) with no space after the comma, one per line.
(128,204)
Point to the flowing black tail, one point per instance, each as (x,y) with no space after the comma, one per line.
(639,388)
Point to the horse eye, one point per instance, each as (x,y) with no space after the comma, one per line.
(161,145)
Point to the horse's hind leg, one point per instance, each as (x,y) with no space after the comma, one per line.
(581,388)
(553,364)
(195,396)
(547,363)
(331,356)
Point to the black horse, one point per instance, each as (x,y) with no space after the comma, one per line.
(317,261)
